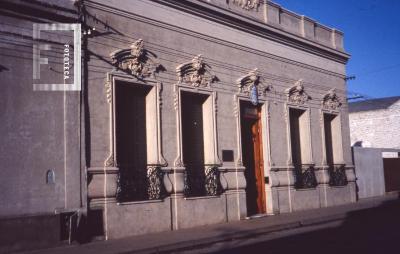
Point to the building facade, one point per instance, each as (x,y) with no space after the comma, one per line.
(191,113)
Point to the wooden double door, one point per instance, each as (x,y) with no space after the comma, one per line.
(252,154)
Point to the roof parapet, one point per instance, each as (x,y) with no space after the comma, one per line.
(274,15)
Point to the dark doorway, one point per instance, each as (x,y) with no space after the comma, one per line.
(193,142)
(131,147)
(328,118)
(253,157)
(295,138)
(391,168)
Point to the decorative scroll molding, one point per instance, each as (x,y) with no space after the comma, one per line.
(176,98)
(136,60)
(110,161)
(250,84)
(196,73)
(247,4)
(235,106)
(178,162)
(322,126)
(331,101)
(108,90)
(296,94)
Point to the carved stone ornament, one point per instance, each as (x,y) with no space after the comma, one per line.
(247,4)
(110,161)
(250,84)
(296,94)
(136,60)
(195,73)
(331,101)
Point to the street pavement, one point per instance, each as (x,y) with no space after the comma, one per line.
(368,226)
(370,231)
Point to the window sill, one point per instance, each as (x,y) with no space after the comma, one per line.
(202,197)
(140,202)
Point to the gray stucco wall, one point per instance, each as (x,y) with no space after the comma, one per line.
(368,163)
(40,130)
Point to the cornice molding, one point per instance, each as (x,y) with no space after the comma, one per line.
(149,21)
(250,25)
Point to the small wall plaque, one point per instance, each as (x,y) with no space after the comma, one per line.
(227,155)
(390,155)
(50,177)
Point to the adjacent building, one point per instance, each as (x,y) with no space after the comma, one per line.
(374,127)
(375,122)
(190,113)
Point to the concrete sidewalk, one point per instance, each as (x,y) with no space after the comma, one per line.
(200,237)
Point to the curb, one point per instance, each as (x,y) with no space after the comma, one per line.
(240,235)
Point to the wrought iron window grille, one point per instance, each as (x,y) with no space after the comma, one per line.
(337,175)
(140,185)
(305,177)
(202,180)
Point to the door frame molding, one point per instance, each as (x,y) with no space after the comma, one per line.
(266,143)
(178,89)
(156,88)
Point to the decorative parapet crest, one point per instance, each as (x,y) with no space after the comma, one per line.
(331,101)
(196,73)
(296,94)
(250,84)
(248,4)
(136,60)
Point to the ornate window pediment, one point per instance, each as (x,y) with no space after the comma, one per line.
(331,101)
(136,60)
(247,4)
(296,94)
(250,84)
(196,73)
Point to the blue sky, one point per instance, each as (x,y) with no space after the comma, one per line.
(372,37)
